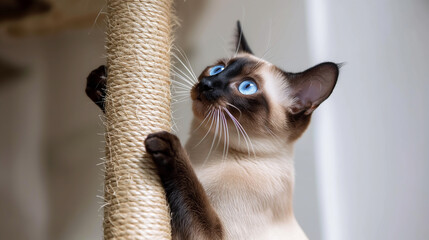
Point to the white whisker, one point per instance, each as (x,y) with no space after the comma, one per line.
(210,128)
(184,65)
(176,101)
(189,87)
(239,131)
(238,44)
(189,83)
(215,135)
(268,48)
(219,139)
(226,137)
(183,80)
(175,86)
(177,91)
(210,110)
(178,94)
(191,79)
(183,54)
(245,135)
(229,104)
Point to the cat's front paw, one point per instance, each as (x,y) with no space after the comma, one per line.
(163,148)
(96,86)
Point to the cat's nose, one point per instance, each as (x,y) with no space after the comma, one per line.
(206,85)
(211,89)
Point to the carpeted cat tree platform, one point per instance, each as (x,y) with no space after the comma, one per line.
(139,39)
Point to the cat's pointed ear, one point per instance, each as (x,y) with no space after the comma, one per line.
(311,87)
(240,42)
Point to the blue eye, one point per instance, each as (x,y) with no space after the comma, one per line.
(216,69)
(248,87)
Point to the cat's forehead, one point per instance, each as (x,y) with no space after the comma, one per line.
(244,64)
(251,57)
(246,60)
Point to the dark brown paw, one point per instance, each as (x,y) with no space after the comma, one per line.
(163,147)
(96,86)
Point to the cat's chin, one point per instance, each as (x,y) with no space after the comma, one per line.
(199,108)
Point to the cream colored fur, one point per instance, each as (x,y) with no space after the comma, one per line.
(251,194)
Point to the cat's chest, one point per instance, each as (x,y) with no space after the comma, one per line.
(248,197)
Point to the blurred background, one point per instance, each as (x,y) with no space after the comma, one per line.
(361,168)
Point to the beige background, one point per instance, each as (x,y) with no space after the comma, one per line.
(361,168)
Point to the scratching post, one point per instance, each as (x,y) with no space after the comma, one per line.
(137,103)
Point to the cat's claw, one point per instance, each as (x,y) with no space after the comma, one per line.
(96,86)
(162,147)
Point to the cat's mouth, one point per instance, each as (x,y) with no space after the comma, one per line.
(201,106)
(202,103)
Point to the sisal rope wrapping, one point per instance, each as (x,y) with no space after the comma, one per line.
(137,103)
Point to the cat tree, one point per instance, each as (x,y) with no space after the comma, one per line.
(139,38)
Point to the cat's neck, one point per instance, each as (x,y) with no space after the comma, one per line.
(208,148)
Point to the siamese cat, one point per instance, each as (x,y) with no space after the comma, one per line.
(235,177)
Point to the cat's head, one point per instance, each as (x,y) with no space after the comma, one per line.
(250,93)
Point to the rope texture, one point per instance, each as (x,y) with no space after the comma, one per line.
(137,103)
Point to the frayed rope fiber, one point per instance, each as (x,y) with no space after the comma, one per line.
(139,39)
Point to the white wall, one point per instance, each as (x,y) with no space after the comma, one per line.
(51,141)
(372,137)
(23,200)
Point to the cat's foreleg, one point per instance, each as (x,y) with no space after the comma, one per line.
(96,86)
(193,217)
